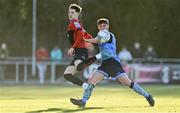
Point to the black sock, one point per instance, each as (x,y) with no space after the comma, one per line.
(86,63)
(131,85)
(74,79)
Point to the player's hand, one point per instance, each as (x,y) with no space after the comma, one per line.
(84,39)
(71,52)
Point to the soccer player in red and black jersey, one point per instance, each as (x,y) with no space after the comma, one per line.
(76,33)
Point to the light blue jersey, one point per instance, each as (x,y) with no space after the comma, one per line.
(107,45)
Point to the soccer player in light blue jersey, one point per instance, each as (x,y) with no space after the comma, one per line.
(110,65)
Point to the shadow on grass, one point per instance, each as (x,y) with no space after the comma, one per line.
(63,110)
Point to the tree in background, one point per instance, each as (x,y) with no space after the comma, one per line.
(155,22)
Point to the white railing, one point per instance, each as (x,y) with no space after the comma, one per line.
(27,61)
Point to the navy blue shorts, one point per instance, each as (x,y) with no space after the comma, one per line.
(111,68)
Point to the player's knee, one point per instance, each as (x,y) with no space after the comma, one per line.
(125,82)
(77,62)
(70,70)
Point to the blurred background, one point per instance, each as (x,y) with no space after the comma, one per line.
(147,33)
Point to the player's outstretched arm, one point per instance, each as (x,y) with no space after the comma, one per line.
(92,40)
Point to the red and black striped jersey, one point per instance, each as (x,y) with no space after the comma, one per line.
(76,33)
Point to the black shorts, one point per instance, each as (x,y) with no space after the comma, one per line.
(80,54)
(111,68)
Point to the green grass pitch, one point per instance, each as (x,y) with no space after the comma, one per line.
(105,99)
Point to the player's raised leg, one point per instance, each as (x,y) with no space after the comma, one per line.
(85,63)
(79,65)
(69,75)
(123,78)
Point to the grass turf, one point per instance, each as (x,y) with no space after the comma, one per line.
(105,99)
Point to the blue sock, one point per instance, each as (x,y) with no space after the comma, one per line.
(87,93)
(138,89)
